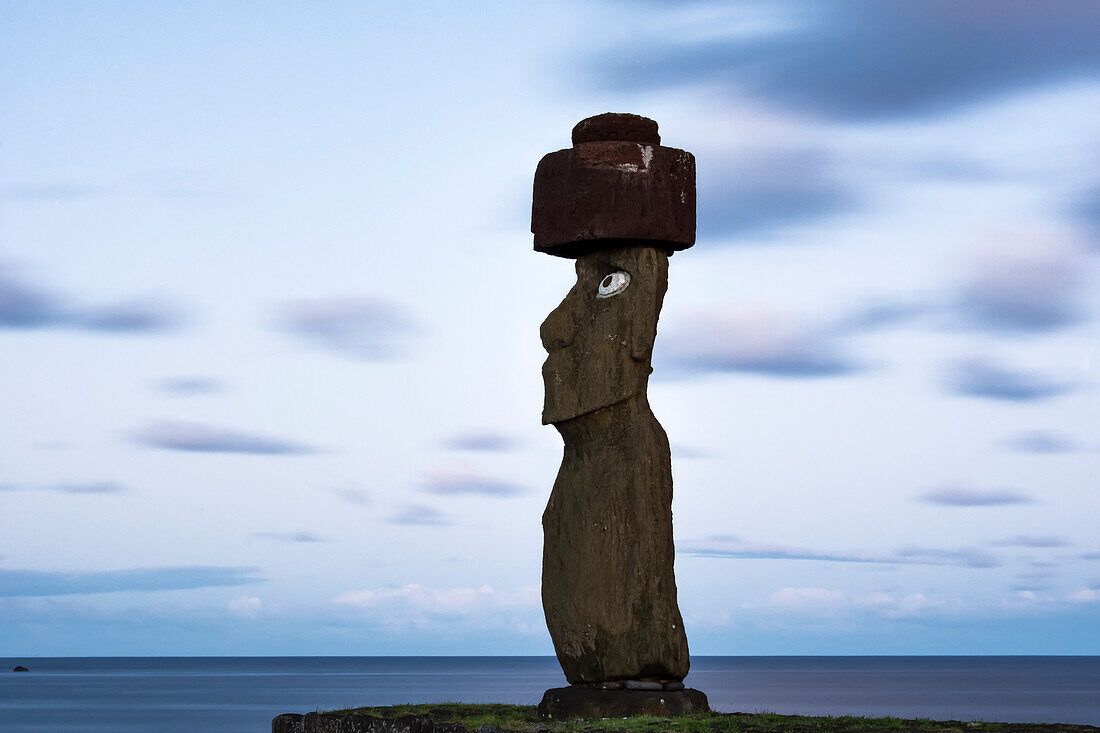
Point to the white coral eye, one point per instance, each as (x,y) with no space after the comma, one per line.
(613,284)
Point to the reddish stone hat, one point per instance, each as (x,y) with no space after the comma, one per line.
(616,185)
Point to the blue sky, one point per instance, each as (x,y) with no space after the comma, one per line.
(269,322)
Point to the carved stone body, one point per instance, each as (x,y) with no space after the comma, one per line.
(608,587)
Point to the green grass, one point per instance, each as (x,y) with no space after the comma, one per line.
(525,718)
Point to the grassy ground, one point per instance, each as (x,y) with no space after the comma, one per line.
(525,718)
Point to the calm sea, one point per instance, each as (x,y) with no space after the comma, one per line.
(231,695)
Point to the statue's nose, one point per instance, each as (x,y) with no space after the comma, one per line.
(557,330)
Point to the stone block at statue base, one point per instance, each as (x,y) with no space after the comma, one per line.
(581,701)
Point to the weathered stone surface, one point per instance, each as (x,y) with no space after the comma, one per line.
(616,126)
(643,685)
(615,186)
(563,703)
(608,588)
(599,348)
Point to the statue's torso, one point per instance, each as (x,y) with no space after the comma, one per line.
(608,585)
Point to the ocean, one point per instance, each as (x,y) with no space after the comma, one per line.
(239,694)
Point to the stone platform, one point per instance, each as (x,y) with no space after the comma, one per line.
(577,701)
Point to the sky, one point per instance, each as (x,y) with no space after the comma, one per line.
(269,315)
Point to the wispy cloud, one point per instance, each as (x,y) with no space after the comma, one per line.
(734,548)
(422,515)
(187,386)
(799,598)
(52,583)
(725,546)
(416,598)
(682,450)
(145,315)
(755,340)
(90,488)
(352,495)
(202,438)
(880,313)
(1039,441)
(1024,282)
(23,305)
(27,306)
(481,441)
(246,606)
(1088,210)
(767,189)
(981,377)
(1026,540)
(307,537)
(954,496)
(361,328)
(52,192)
(461,480)
(831,59)
(965,557)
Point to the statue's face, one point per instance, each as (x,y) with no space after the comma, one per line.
(600,339)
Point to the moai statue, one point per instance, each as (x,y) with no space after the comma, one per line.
(619,204)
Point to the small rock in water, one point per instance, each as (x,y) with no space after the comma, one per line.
(611,685)
(643,685)
(20,668)
(673,685)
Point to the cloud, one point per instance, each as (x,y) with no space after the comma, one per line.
(1088,210)
(800,598)
(289,536)
(1024,282)
(352,495)
(51,583)
(966,557)
(245,606)
(460,480)
(754,340)
(878,314)
(1039,441)
(951,496)
(201,438)
(682,450)
(1024,540)
(1089,556)
(422,515)
(440,598)
(858,60)
(894,606)
(52,192)
(487,442)
(186,386)
(91,488)
(767,189)
(725,546)
(97,487)
(361,328)
(131,316)
(417,599)
(27,306)
(982,377)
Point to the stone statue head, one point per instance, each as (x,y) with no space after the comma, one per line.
(600,339)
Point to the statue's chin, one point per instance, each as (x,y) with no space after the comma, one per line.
(553,413)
